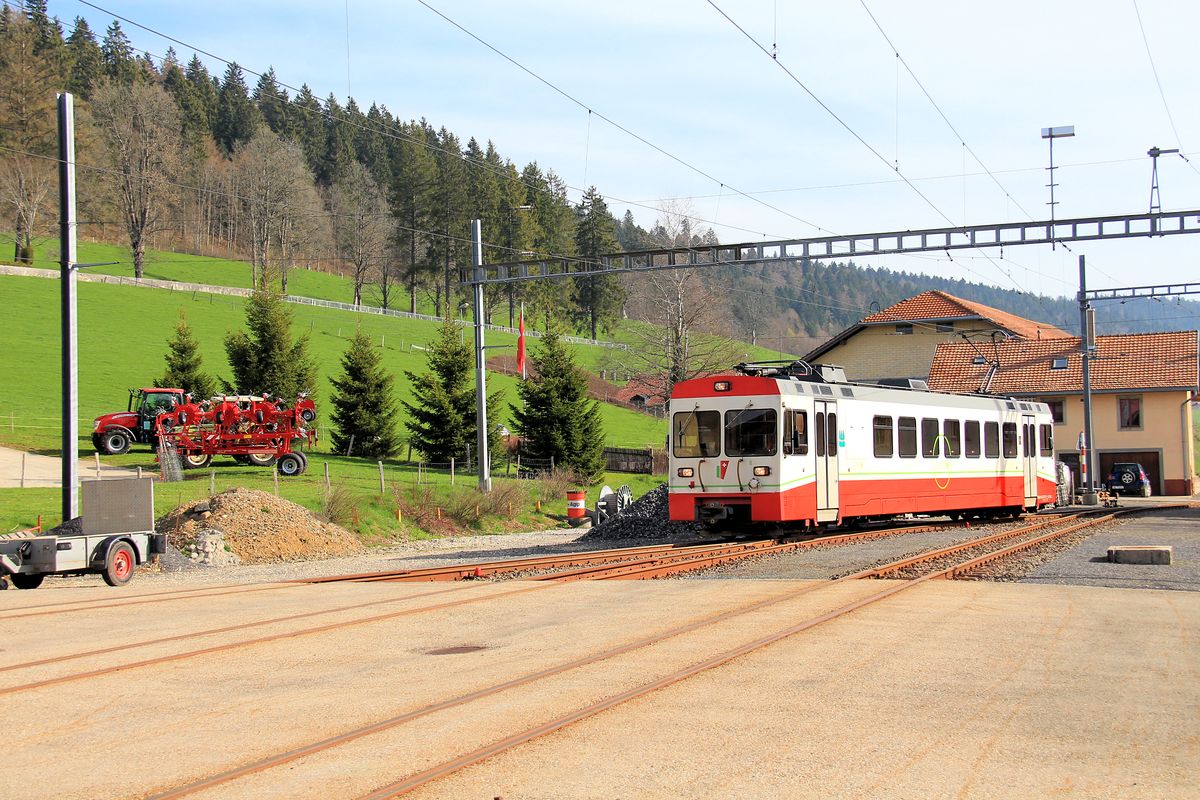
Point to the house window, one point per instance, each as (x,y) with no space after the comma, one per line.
(1129,413)
(904,328)
(1058,411)
(1058,363)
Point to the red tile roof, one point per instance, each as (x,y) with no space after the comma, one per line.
(1138,361)
(938,306)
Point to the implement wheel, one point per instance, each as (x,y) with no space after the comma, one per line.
(118,567)
(260,459)
(24,580)
(290,464)
(197,460)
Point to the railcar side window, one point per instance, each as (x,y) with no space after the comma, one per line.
(929,438)
(883,437)
(1047,440)
(907,429)
(952,431)
(751,432)
(971,431)
(991,439)
(795,433)
(1010,440)
(696,434)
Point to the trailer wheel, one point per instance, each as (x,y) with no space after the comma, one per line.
(304,458)
(307,414)
(197,460)
(260,459)
(290,464)
(115,442)
(27,580)
(118,567)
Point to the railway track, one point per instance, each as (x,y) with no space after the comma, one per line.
(999,545)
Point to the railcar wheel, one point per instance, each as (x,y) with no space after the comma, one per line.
(290,464)
(27,580)
(118,567)
(115,442)
(197,460)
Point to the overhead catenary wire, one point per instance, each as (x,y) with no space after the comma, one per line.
(1157,82)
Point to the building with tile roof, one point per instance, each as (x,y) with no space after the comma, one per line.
(899,341)
(1143,389)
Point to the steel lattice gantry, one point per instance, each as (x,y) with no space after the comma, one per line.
(933,239)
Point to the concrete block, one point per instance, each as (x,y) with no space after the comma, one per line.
(1140,554)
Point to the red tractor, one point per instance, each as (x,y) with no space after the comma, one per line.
(115,433)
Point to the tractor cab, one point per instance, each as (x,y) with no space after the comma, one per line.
(114,433)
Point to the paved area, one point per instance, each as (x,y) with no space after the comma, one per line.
(30,470)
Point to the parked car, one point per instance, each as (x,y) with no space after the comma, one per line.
(1129,478)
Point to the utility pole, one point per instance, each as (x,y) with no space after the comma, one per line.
(1086,328)
(70,348)
(485,478)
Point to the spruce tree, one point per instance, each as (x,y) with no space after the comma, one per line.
(87,62)
(364,409)
(441,418)
(184,364)
(600,298)
(237,118)
(556,419)
(265,359)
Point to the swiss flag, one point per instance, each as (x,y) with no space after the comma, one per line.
(521,346)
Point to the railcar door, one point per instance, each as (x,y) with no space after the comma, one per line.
(1029,451)
(825,432)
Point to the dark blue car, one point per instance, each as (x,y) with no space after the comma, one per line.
(1130,478)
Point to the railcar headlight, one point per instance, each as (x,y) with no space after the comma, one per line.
(685,472)
(762,472)
(722,386)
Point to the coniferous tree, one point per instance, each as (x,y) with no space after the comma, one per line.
(364,409)
(273,104)
(236,119)
(265,358)
(85,58)
(415,179)
(599,298)
(205,89)
(556,419)
(450,216)
(441,419)
(118,55)
(184,364)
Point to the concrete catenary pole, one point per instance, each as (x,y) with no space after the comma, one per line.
(481,421)
(70,349)
(1085,339)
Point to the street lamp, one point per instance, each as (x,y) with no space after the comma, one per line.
(1060,132)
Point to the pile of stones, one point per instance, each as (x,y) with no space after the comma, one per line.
(645,518)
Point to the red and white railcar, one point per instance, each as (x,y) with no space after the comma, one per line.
(801,444)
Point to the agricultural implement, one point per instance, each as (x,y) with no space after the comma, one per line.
(253,429)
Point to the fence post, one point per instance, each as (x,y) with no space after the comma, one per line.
(275,474)
(451,470)
(350,447)
(382,487)
(139,473)
(327,476)
(212,482)
(23,454)
(97,466)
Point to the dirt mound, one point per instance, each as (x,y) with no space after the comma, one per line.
(258,527)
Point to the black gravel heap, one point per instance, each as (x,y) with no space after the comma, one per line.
(646,518)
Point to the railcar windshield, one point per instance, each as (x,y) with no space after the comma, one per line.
(751,432)
(696,434)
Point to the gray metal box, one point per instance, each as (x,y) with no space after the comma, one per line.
(118,506)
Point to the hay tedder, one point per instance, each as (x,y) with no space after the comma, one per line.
(254,429)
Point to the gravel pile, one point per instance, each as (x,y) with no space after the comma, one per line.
(645,518)
(255,527)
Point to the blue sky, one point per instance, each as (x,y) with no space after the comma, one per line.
(679,74)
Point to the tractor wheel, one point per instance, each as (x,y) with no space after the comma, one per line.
(115,442)
(118,567)
(307,414)
(290,464)
(197,460)
(27,580)
(260,459)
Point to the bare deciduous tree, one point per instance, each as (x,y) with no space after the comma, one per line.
(139,125)
(362,221)
(272,180)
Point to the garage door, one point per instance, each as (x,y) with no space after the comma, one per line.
(1149,459)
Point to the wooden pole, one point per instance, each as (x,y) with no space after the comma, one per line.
(382,486)
(451,470)
(327,487)
(23,454)
(275,474)
(212,482)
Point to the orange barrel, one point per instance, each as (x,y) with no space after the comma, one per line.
(576,506)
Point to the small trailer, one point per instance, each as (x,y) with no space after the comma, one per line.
(117,534)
